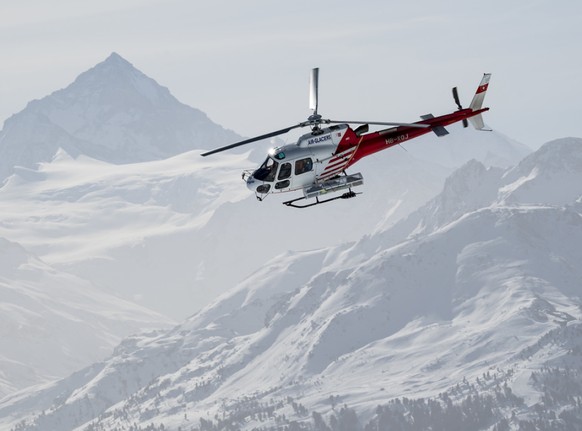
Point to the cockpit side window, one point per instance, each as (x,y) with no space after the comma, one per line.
(303,165)
(267,170)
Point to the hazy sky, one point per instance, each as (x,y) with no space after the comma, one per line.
(246,63)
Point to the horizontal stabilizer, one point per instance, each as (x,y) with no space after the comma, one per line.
(438,130)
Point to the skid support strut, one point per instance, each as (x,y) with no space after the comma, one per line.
(346,195)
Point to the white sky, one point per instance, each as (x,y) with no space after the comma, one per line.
(246,63)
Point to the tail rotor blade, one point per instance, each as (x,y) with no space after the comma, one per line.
(458,102)
(313,90)
(456,97)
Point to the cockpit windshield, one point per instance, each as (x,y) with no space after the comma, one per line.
(267,170)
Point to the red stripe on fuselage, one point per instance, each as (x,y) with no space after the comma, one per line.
(330,174)
(340,159)
(335,165)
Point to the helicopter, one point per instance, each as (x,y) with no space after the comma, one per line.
(317,163)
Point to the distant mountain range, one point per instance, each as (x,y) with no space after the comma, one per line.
(467,312)
(434,274)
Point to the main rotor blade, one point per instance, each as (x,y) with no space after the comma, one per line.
(381,123)
(248,141)
(314,90)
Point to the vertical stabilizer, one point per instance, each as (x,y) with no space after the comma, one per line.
(477,102)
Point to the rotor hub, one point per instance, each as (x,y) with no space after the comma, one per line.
(314,119)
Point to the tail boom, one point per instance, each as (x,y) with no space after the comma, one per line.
(376,141)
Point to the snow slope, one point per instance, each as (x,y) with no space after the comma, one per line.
(161,232)
(121,222)
(474,301)
(53,323)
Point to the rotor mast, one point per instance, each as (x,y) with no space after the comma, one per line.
(314,118)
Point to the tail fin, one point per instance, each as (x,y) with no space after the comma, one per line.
(477,102)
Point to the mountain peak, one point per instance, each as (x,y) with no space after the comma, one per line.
(540,177)
(115,63)
(111,112)
(563,153)
(116,58)
(115,71)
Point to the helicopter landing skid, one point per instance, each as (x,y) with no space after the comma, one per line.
(291,203)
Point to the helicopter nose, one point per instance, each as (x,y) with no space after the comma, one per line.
(257,186)
(252,183)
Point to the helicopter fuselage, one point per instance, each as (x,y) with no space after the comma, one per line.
(326,153)
(317,163)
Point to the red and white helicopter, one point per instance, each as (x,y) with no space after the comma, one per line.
(317,163)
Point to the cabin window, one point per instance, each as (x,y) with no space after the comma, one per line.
(285,171)
(303,165)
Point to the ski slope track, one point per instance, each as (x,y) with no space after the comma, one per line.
(472,301)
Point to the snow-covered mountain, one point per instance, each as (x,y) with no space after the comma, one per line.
(162,232)
(476,311)
(112,112)
(90,188)
(549,176)
(53,323)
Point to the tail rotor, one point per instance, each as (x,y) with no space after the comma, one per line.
(458,102)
